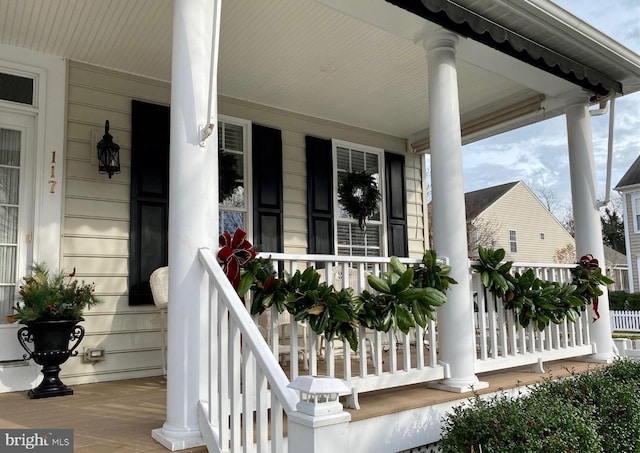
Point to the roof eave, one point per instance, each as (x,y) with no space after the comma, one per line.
(467,23)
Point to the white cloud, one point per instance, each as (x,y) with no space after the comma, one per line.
(538,154)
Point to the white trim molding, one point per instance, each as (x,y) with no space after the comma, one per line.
(49,74)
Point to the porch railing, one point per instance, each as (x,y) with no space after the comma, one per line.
(248,394)
(247,389)
(383,360)
(501,342)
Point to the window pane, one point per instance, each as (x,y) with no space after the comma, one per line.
(9,147)
(357,160)
(373,236)
(342,161)
(231,140)
(372,165)
(16,89)
(344,233)
(229,221)
(237,197)
(8,265)
(9,224)
(230,137)
(357,236)
(7,300)
(353,241)
(9,184)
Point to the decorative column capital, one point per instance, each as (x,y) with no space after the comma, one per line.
(440,40)
(576,98)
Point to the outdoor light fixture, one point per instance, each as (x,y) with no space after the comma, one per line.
(108,154)
(319,395)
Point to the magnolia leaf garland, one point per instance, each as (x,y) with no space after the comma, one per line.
(358,193)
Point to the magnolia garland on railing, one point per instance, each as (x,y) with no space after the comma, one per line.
(399,302)
(541,301)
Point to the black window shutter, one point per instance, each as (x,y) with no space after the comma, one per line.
(396,204)
(149,197)
(267,188)
(319,195)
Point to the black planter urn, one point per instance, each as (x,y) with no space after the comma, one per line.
(51,340)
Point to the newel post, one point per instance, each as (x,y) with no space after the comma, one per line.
(319,425)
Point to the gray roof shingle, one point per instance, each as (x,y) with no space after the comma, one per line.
(479,200)
(631,177)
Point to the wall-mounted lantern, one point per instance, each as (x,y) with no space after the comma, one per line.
(108,154)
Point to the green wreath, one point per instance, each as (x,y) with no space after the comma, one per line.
(358,193)
(228,176)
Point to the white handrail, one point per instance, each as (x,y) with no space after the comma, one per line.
(252,337)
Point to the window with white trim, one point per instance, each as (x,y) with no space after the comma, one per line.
(513,242)
(351,240)
(635,209)
(234,140)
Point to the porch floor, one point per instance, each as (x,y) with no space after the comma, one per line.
(119,415)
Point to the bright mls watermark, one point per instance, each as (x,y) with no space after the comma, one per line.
(36,440)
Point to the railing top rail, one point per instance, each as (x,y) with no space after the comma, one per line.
(334,258)
(535,265)
(263,355)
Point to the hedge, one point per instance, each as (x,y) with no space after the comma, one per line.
(594,412)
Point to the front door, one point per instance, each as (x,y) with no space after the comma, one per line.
(17,150)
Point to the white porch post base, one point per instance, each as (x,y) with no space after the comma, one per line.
(459,385)
(598,358)
(177,439)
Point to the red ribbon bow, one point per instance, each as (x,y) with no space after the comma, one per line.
(592,263)
(234,251)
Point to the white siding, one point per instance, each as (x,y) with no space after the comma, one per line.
(96,223)
(96,214)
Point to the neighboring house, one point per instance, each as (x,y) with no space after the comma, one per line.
(617,268)
(629,188)
(511,217)
(299,91)
(533,235)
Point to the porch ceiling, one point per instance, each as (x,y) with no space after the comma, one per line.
(352,62)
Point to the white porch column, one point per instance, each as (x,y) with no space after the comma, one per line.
(455,318)
(192,218)
(586,215)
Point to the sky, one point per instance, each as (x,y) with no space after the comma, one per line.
(538,154)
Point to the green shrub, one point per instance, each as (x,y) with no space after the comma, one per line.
(622,300)
(610,397)
(634,301)
(596,411)
(501,425)
(618,300)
